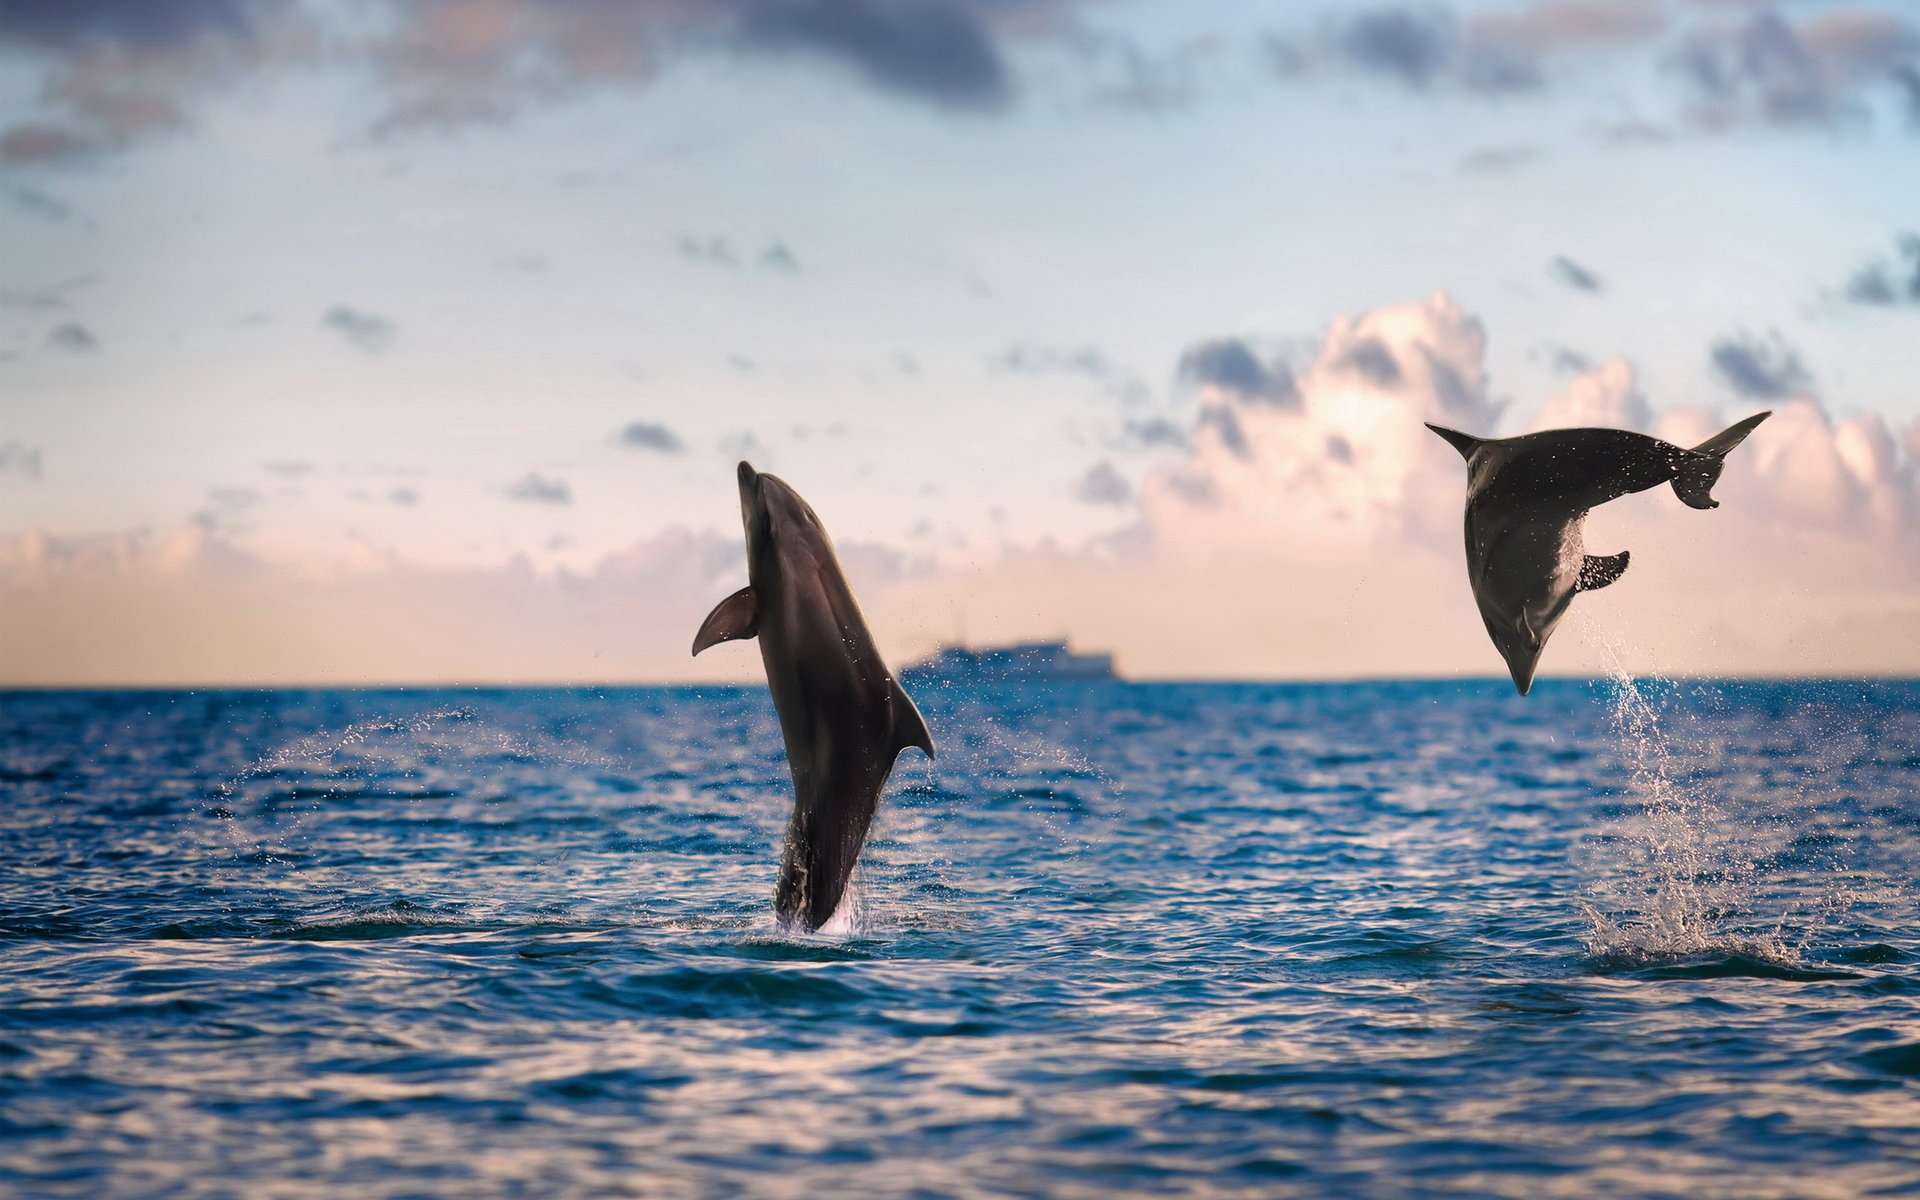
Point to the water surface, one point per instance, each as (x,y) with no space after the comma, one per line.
(1376,939)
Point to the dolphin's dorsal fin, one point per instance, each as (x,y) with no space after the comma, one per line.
(736,617)
(909,727)
(1465,443)
(1597,571)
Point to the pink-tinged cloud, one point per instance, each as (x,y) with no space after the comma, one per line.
(1326,540)
(1321,538)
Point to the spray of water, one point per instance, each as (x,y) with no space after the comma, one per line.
(1686,873)
(274,813)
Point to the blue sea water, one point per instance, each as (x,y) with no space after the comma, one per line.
(1383,939)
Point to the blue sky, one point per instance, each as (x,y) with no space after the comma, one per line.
(508,286)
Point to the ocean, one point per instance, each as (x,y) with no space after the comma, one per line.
(1419,939)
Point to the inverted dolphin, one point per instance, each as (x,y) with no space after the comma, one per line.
(1527,500)
(842,714)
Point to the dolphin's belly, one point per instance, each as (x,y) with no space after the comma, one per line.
(1525,568)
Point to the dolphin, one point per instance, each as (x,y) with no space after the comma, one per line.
(1527,500)
(842,714)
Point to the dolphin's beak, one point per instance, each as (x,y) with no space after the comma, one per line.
(749,494)
(1522,652)
(1521,664)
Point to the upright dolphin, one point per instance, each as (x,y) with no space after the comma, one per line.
(1527,500)
(843,717)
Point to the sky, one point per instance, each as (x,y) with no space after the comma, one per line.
(388,342)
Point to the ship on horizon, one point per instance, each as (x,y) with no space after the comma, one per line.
(1019,662)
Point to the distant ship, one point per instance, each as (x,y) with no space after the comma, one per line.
(1023,662)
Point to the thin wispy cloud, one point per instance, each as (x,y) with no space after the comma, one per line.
(1822,70)
(535,488)
(1498,160)
(21,461)
(74,338)
(1890,282)
(370,332)
(1154,433)
(1574,275)
(1088,362)
(650,435)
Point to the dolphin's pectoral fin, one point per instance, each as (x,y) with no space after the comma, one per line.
(735,617)
(909,727)
(1597,571)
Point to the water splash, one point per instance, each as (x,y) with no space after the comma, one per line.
(1688,871)
(275,818)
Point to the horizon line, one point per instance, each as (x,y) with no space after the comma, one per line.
(29,687)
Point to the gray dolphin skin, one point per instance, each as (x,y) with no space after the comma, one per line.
(1527,499)
(842,714)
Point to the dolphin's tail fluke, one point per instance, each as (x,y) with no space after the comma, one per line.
(1465,443)
(1699,470)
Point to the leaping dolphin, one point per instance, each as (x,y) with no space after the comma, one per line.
(1527,500)
(842,714)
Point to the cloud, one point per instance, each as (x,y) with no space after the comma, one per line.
(192,607)
(1340,457)
(1024,358)
(1557,25)
(1816,73)
(1155,432)
(535,488)
(1564,360)
(646,435)
(1754,67)
(1498,160)
(1132,77)
(1574,275)
(369,331)
(1373,361)
(1102,484)
(119,71)
(20,460)
(1906,77)
(930,50)
(113,73)
(226,509)
(714,249)
(1327,541)
(36,203)
(718,251)
(1421,47)
(52,297)
(1229,365)
(1887,284)
(1321,539)
(405,497)
(74,338)
(777,257)
(289,468)
(1762,370)
(1607,396)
